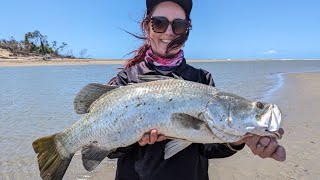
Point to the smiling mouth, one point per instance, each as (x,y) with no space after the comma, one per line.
(165,41)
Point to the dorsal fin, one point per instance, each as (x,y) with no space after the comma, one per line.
(88,95)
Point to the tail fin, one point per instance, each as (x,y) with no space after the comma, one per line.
(52,164)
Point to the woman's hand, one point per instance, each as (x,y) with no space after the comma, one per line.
(265,147)
(151,138)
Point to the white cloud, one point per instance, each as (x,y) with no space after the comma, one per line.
(270,52)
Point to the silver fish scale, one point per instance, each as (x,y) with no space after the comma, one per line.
(122,116)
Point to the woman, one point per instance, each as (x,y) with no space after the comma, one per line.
(166,27)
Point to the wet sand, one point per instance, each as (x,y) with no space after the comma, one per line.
(299,100)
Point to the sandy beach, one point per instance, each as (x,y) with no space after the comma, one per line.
(52,62)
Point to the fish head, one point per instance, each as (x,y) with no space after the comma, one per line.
(235,115)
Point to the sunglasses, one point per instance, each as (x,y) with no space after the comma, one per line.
(160,25)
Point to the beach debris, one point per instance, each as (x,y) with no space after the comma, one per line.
(184,111)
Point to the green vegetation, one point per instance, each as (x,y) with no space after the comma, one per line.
(36,44)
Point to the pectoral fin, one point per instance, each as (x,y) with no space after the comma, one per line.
(88,95)
(92,155)
(184,121)
(175,146)
(187,121)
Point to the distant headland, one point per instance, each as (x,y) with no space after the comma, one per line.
(35,46)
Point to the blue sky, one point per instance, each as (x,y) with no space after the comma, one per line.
(222,29)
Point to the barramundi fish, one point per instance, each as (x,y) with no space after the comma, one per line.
(186,112)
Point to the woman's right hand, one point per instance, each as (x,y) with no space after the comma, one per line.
(151,138)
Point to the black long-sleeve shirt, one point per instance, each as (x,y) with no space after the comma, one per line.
(147,162)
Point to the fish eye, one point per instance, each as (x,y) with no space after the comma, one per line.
(259,105)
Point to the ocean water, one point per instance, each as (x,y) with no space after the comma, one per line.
(38,101)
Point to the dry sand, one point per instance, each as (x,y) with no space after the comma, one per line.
(299,100)
(40,62)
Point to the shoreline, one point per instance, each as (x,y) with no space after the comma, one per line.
(39,62)
(54,62)
(280,82)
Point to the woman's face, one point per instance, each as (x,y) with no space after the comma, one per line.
(160,41)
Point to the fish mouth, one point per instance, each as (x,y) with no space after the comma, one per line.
(268,123)
(275,118)
(274,121)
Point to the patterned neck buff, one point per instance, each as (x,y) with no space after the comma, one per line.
(163,63)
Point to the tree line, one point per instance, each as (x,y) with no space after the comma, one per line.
(37,44)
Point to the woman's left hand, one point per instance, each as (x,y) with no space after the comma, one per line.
(265,147)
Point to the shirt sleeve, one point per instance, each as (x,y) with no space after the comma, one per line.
(220,150)
(120,80)
(207,78)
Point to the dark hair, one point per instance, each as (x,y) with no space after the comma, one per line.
(140,52)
